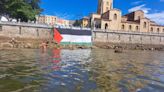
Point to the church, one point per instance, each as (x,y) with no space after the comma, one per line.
(110,19)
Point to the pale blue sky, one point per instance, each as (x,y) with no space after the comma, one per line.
(74,9)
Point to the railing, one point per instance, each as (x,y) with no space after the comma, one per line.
(41,25)
(25,24)
(128,32)
(72,27)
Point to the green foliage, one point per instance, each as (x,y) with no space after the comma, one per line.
(2,6)
(77,23)
(20,9)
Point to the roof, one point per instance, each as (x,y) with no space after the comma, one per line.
(132,12)
(157,25)
(85,17)
(132,22)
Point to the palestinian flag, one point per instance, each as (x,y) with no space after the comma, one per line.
(57,36)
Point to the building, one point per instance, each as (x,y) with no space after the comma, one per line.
(62,22)
(3,18)
(47,19)
(85,22)
(108,18)
(52,20)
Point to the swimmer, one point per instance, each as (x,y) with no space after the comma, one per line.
(44,46)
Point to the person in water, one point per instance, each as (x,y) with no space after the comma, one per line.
(44,46)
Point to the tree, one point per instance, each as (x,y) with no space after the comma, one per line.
(35,5)
(20,9)
(77,23)
(3,10)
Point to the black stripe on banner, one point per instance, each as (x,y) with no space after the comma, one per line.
(74,31)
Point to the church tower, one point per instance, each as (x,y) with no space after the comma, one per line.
(104,6)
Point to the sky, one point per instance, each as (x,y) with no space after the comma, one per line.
(76,9)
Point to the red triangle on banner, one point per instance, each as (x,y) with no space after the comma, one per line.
(57,36)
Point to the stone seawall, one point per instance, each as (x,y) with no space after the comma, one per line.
(24,34)
(31,35)
(18,30)
(27,35)
(128,40)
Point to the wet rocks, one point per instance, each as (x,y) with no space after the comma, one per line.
(28,45)
(125,46)
(6,45)
(94,47)
(118,49)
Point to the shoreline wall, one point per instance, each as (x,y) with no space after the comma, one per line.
(20,30)
(25,32)
(24,35)
(127,39)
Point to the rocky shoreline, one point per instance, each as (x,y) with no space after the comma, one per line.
(12,43)
(123,46)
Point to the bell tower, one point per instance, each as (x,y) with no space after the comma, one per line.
(104,6)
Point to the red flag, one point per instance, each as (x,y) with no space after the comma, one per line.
(56,56)
(57,36)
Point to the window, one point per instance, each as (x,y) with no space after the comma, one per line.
(158,30)
(0,28)
(151,29)
(107,3)
(163,30)
(139,17)
(145,24)
(106,26)
(137,28)
(123,27)
(107,8)
(130,27)
(115,16)
(97,26)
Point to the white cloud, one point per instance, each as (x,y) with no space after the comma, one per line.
(64,15)
(137,2)
(140,7)
(161,0)
(158,17)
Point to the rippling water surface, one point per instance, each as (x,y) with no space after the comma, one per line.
(81,71)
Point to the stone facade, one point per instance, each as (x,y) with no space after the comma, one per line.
(107,18)
(46,19)
(104,6)
(128,40)
(84,22)
(24,35)
(52,20)
(25,31)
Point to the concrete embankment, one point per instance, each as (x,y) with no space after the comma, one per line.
(24,35)
(124,46)
(6,43)
(128,40)
(35,44)
(31,36)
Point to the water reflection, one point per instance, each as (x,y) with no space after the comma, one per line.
(128,72)
(81,71)
(68,73)
(56,59)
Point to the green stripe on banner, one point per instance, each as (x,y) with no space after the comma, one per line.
(76,43)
